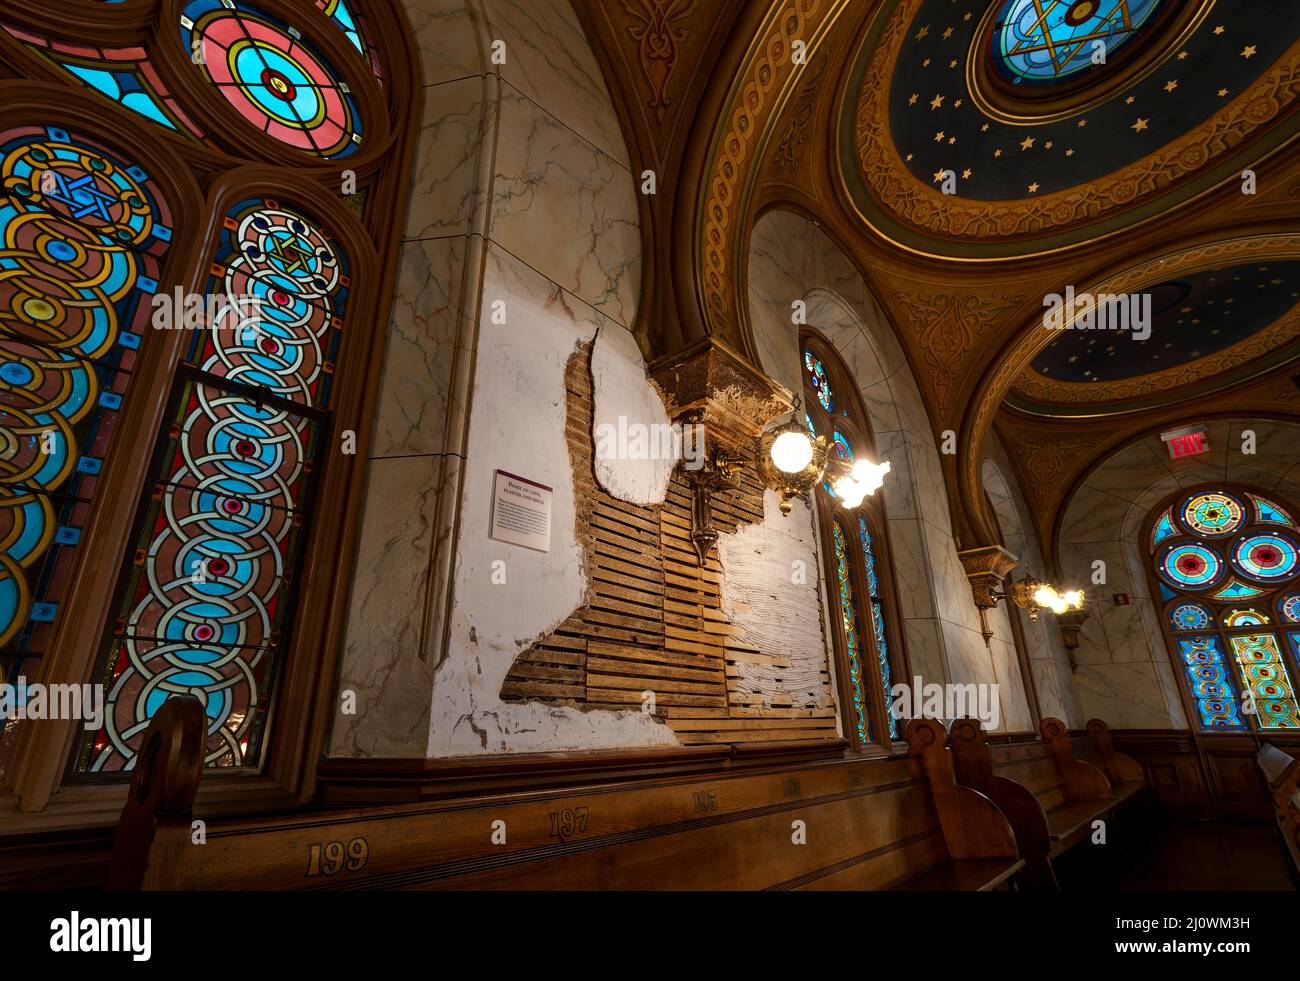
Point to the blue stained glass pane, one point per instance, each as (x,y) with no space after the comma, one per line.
(1041,42)
(877,617)
(1211,686)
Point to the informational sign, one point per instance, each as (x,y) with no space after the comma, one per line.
(521,512)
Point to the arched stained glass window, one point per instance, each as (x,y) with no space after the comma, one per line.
(208,590)
(84,233)
(859,578)
(1227,565)
(182,328)
(1040,42)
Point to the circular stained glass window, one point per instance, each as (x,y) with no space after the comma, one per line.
(1291,608)
(1245,618)
(1040,42)
(1191,566)
(1190,616)
(820,384)
(1268,557)
(272,77)
(1213,515)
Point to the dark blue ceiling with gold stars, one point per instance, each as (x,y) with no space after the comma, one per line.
(947,114)
(1193,317)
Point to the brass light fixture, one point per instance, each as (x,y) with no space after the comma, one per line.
(793,462)
(1033,595)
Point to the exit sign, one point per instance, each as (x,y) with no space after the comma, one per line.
(1186,442)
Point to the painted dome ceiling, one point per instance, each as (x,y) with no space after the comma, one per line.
(1046,146)
(1207,329)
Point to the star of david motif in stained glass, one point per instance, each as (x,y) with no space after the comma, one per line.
(1213,515)
(83,233)
(1040,42)
(208,591)
(272,77)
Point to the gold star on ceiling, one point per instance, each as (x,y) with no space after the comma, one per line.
(1222,93)
(952,140)
(926,63)
(912,99)
(1129,101)
(953,63)
(940,136)
(947,34)
(1048,145)
(997,153)
(957,104)
(1219,30)
(967,17)
(936,102)
(1171,85)
(938,176)
(1069,152)
(1083,123)
(1140,125)
(1248,52)
(965,174)
(984,128)
(1182,56)
(1028,143)
(1033,188)
(923,33)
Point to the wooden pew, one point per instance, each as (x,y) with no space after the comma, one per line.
(863,824)
(1051,798)
(1282,774)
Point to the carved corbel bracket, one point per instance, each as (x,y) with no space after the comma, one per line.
(987,569)
(711,386)
(1071,623)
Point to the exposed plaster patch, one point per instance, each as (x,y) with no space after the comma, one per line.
(623,398)
(770,585)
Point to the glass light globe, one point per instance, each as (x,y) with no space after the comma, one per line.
(1074,599)
(792,452)
(1045,596)
(870,475)
(1059,606)
(850,491)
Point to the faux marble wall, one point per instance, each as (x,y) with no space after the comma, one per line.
(1044,646)
(791,259)
(521,242)
(1125,673)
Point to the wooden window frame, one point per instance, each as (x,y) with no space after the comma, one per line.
(200,182)
(854,423)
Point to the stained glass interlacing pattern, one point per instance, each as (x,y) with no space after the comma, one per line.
(1040,42)
(272,77)
(817,379)
(84,232)
(877,614)
(849,614)
(1227,563)
(208,589)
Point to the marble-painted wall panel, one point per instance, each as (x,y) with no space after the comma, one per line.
(775,610)
(382,665)
(416,384)
(446,39)
(566,208)
(549,60)
(518,424)
(624,399)
(445,189)
(1012,701)
(1127,696)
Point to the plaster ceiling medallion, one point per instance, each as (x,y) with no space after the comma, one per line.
(1207,328)
(1041,144)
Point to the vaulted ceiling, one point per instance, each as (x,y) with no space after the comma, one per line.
(973,158)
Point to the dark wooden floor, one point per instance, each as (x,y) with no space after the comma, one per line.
(1215,856)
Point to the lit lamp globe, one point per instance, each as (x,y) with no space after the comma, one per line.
(1073,599)
(792,452)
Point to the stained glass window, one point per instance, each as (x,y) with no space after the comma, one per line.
(817,379)
(1040,42)
(84,232)
(272,77)
(859,573)
(877,613)
(1213,553)
(207,591)
(849,616)
(124,75)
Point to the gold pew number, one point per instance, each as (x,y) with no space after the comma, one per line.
(333,858)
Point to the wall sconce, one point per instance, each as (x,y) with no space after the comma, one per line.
(793,462)
(1032,595)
